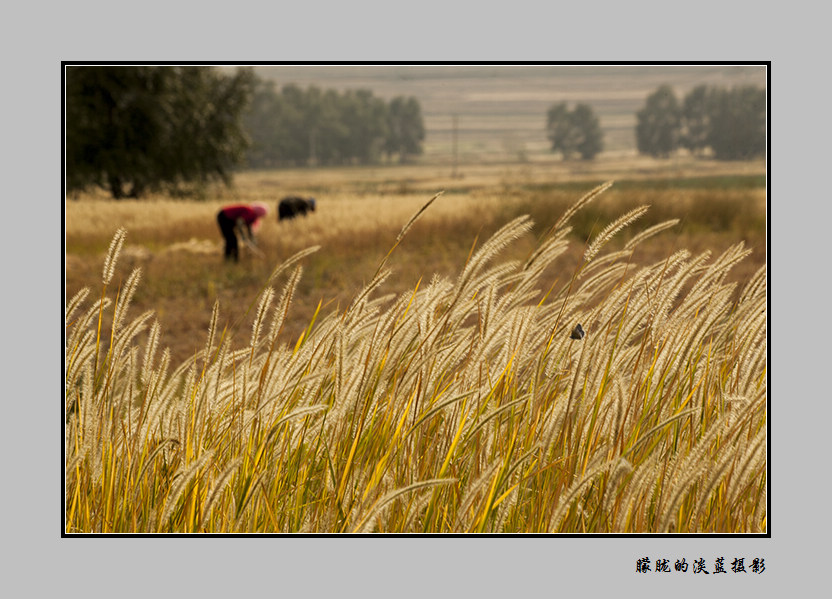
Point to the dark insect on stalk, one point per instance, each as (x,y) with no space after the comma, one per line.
(577,332)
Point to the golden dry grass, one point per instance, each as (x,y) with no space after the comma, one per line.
(461,405)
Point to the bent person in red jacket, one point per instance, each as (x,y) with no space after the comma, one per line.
(242,219)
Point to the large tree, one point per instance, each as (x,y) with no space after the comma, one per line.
(658,125)
(131,129)
(574,132)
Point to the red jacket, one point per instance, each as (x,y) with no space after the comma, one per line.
(242,211)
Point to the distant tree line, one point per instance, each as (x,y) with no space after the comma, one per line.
(729,124)
(134,129)
(304,127)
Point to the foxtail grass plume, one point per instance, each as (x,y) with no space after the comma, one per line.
(112,255)
(570,212)
(611,229)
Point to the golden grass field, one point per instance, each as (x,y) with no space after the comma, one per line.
(445,395)
(361,210)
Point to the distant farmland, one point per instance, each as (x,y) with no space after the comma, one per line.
(501,110)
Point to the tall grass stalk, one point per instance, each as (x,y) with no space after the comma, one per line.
(462,406)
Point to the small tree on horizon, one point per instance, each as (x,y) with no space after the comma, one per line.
(659,123)
(574,132)
(696,119)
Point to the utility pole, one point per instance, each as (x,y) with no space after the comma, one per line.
(454,174)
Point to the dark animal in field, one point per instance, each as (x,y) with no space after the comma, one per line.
(292,206)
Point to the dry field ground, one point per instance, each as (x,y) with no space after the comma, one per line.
(360,212)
